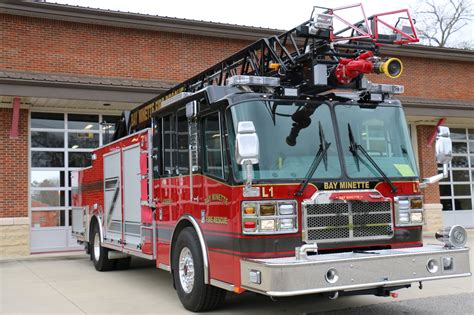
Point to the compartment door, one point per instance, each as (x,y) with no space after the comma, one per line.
(112,197)
(131,203)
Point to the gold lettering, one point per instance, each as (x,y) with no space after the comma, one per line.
(268,194)
(216,220)
(145,113)
(416,188)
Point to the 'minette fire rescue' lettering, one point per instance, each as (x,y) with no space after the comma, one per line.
(346,185)
(217,220)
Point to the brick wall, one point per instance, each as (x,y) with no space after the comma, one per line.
(13,166)
(34,44)
(428,166)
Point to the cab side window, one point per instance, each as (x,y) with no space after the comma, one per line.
(182,143)
(156,140)
(213,153)
(168,144)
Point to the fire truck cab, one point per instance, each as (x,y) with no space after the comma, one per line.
(267,184)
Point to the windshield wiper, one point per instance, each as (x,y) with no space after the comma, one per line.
(321,155)
(354,147)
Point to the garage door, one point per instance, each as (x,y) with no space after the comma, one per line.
(457,191)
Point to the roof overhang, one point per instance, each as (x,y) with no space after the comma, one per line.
(77,87)
(415,106)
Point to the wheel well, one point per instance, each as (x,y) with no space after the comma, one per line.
(184,223)
(181,226)
(94,221)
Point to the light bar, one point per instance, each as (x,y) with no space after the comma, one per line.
(250,80)
(385,88)
(175,98)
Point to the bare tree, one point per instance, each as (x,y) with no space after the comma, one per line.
(439,20)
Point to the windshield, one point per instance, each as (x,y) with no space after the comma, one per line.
(383,133)
(288,133)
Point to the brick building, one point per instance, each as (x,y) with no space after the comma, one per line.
(65,70)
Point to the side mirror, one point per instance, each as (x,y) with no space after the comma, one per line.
(444,147)
(444,155)
(247,150)
(246,144)
(191,109)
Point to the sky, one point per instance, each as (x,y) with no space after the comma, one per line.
(263,13)
(276,14)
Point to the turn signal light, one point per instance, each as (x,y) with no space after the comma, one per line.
(249,210)
(416,203)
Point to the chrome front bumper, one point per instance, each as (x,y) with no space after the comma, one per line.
(356,271)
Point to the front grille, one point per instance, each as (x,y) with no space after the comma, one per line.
(350,220)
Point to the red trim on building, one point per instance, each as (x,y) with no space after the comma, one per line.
(432,138)
(16,101)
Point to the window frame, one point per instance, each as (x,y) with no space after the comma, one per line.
(451,183)
(172,120)
(223,158)
(66,169)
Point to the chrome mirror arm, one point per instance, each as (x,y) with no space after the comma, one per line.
(436,178)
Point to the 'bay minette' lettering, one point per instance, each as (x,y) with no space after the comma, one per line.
(346,185)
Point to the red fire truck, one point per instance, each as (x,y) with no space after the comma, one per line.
(281,170)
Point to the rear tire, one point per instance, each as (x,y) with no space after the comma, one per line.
(188,275)
(100,255)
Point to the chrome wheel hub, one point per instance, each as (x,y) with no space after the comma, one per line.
(186,270)
(97,246)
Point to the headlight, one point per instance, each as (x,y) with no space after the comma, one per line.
(404,204)
(404,217)
(287,209)
(408,210)
(267,225)
(287,224)
(416,217)
(269,217)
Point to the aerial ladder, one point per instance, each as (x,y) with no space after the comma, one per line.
(310,60)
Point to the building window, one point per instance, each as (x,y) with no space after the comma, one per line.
(457,191)
(59,144)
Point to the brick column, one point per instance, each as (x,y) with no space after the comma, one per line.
(14,221)
(428,167)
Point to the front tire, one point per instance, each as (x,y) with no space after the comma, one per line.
(100,255)
(188,274)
